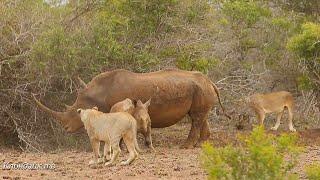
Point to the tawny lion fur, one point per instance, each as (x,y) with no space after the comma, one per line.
(139,111)
(110,128)
(276,102)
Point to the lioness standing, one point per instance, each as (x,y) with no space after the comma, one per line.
(110,128)
(272,102)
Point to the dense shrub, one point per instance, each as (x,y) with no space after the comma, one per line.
(259,156)
(306,45)
(308,7)
(120,34)
(313,171)
(243,11)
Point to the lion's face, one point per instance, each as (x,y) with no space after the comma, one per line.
(142,116)
(85,113)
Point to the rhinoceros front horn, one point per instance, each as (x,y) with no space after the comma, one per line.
(57,115)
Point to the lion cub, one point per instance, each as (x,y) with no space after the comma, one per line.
(139,111)
(110,128)
(272,102)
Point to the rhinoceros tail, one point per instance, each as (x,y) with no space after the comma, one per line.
(218,95)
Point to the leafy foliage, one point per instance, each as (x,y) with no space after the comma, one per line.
(201,64)
(306,45)
(114,37)
(243,11)
(259,156)
(308,7)
(313,171)
(304,82)
(281,22)
(242,17)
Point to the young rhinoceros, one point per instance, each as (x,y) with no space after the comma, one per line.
(140,112)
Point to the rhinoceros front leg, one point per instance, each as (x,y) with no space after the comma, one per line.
(198,119)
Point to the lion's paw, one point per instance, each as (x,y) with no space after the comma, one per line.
(274,128)
(124,163)
(109,164)
(293,130)
(92,162)
(101,160)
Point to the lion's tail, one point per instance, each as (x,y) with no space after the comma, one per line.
(218,94)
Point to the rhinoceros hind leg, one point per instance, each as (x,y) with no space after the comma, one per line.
(204,132)
(197,123)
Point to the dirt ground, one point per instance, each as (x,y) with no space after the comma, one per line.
(168,162)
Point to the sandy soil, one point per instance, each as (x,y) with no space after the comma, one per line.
(168,162)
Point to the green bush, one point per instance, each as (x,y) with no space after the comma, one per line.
(248,12)
(304,83)
(307,43)
(196,10)
(54,52)
(281,22)
(120,34)
(200,64)
(305,7)
(259,156)
(313,171)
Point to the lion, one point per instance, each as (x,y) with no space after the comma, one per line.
(139,111)
(110,128)
(274,102)
(124,106)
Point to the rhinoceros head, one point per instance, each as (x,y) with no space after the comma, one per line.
(69,119)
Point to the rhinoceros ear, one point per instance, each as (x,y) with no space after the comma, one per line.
(79,111)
